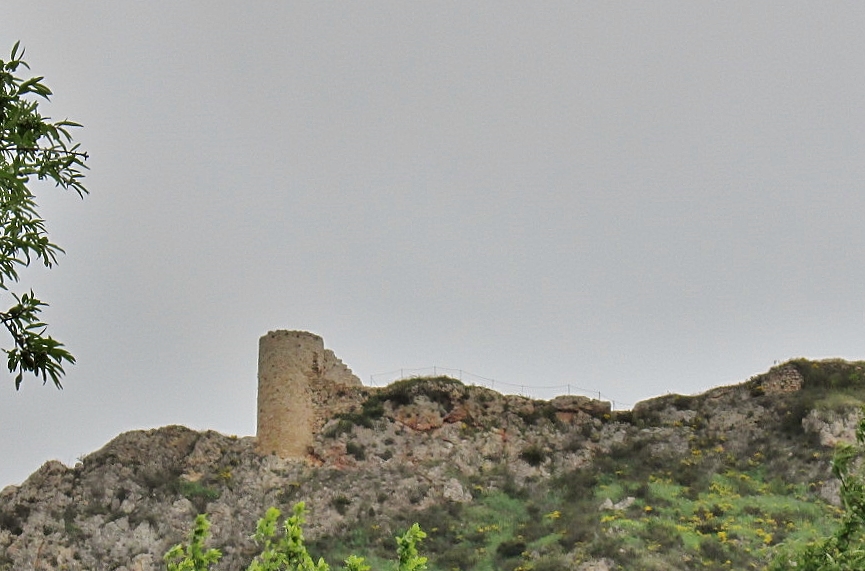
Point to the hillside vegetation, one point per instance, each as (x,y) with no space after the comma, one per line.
(720,480)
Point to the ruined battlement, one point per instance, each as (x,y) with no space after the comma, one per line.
(302,386)
(782,379)
(297,377)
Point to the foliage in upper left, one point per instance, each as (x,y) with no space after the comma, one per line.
(30,146)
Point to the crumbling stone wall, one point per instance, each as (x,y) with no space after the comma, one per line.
(302,386)
(784,378)
(297,382)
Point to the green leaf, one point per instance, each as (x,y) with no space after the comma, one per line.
(14,55)
(31,145)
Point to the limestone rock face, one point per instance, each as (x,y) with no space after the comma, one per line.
(410,446)
(123,506)
(421,415)
(382,455)
(571,407)
(833,427)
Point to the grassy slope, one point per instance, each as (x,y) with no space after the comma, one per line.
(708,508)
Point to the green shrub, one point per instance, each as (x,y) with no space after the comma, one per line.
(830,374)
(14,521)
(193,557)
(577,440)
(340,504)
(794,410)
(356,450)
(842,550)
(159,476)
(841,401)
(540,410)
(286,550)
(533,455)
(682,402)
(191,490)
(437,389)
(664,534)
(551,563)
(342,426)
(712,549)
(372,408)
(197,493)
(511,548)
(577,484)
(460,556)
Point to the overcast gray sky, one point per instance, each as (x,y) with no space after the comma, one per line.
(633,198)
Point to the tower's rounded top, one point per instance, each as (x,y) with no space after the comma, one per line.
(292,334)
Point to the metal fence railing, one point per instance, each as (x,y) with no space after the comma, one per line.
(545,392)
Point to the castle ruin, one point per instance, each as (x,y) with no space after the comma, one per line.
(297,379)
(302,386)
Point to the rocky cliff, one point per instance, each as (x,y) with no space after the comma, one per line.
(560,483)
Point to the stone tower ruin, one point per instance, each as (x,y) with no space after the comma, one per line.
(296,378)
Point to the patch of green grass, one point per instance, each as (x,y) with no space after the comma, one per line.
(729,519)
(665,490)
(721,524)
(612,490)
(197,493)
(841,401)
(191,490)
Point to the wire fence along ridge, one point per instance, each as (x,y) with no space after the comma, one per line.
(545,392)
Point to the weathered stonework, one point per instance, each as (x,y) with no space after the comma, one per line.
(297,377)
(302,386)
(782,379)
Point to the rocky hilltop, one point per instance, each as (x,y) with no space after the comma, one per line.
(711,481)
